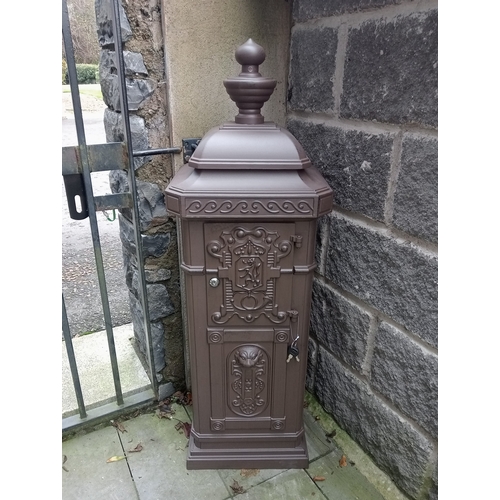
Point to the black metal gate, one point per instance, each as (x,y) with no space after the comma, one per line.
(78,163)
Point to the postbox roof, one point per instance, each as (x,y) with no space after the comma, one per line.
(251,147)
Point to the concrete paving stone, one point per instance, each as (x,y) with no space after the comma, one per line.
(94,368)
(247,478)
(341,483)
(159,470)
(289,485)
(317,442)
(89,476)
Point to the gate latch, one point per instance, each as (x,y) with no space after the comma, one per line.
(297,239)
(74,186)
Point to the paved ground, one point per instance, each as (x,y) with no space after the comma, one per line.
(158,470)
(79,278)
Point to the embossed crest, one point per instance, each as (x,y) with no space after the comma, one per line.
(250,266)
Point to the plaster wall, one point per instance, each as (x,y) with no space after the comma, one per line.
(200,39)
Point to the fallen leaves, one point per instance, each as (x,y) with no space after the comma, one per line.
(236,487)
(182,398)
(318,478)
(64,458)
(116,458)
(185,426)
(118,425)
(138,448)
(331,434)
(343,461)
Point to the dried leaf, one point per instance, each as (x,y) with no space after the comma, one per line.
(119,426)
(318,478)
(64,458)
(343,461)
(115,458)
(236,487)
(162,414)
(331,434)
(139,447)
(185,426)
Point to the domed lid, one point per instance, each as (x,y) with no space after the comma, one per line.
(249,142)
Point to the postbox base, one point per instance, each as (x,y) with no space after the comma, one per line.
(248,457)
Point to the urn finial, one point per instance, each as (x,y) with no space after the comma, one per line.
(250,90)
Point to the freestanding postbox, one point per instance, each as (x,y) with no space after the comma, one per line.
(248,203)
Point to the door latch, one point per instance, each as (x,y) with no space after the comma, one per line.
(296,239)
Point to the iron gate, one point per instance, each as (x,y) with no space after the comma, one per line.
(78,163)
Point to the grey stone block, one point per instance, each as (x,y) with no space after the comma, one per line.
(155,274)
(304,10)
(151,205)
(391,72)
(137,92)
(395,278)
(433,492)
(104,18)
(416,195)
(407,375)
(339,325)
(395,446)
(157,334)
(312,350)
(321,248)
(150,199)
(355,164)
(113,126)
(312,66)
(152,245)
(133,63)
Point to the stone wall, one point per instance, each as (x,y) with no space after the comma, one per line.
(146,91)
(362,100)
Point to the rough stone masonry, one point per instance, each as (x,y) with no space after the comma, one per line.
(362,100)
(145,77)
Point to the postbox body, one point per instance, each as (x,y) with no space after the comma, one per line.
(248,203)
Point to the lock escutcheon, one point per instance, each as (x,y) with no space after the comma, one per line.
(214,282)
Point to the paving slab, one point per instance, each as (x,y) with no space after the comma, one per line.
(159,470)
(317,442)
(291,484)
(94,368)
(341,483)
(88,474)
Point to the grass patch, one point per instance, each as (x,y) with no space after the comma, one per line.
(93,90)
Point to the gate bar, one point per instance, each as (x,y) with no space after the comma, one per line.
(80,130)
(132,183)
(72,361)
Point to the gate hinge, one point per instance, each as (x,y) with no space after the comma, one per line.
(297,239)
(188,147)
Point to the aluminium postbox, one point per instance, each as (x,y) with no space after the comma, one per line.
(248,202)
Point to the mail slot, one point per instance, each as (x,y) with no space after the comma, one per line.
(248,202)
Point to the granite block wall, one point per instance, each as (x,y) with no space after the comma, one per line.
(143,55)
(362,100)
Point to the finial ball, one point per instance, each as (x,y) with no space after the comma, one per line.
(250,54)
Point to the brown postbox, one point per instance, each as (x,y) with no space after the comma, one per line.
(248,202)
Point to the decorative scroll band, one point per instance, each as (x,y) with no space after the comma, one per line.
(252,207)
